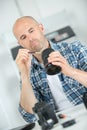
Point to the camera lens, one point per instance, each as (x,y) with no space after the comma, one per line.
(50,69)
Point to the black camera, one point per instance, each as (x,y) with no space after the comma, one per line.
(46,115)
(50,69)
(85,99)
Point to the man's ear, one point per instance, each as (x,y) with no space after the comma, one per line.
(41,27)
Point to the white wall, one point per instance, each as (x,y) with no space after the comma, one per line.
(9,81)
(8,14)
(76,13)
(9,91)
(75,10)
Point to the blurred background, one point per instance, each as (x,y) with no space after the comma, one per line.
(64,20)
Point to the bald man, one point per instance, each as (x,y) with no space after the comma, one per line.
(37,86)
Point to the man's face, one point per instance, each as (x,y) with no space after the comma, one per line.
(29,34)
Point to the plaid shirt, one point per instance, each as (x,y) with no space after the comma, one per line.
(76,55)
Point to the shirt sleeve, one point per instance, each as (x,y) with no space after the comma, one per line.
(30,118)
(80,52)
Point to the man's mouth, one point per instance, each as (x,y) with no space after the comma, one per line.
(32,52)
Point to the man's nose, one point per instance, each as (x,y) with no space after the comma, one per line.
(29,37)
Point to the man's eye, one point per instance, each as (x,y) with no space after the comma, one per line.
(30,31)
(23,37)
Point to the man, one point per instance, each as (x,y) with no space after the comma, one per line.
(36,84)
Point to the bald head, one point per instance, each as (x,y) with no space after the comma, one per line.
(21,20)
(24,18)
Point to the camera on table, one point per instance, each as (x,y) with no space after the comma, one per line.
(46,115)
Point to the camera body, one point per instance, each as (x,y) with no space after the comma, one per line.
(46,115)
(85,99)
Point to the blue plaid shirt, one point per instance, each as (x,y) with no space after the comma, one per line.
(76,55)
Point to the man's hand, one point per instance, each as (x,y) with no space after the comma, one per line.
(23,61)
(57,59)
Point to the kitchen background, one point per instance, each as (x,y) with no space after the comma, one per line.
(63,20)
